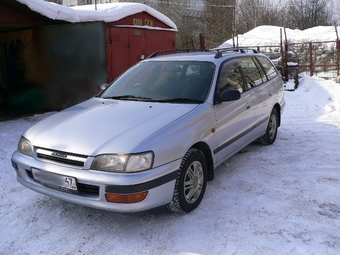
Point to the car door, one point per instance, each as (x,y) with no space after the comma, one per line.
(260,88)
(235,118)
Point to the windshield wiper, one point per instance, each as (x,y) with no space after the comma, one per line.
(128,97)
(181,100)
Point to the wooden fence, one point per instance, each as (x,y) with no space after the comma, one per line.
(314,58)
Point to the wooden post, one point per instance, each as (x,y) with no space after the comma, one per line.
(337,49)
(281,46)
(338,56)
(283,59)
(311,59)
(286,54)
(202,42)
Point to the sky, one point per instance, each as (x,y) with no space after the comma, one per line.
(278,199)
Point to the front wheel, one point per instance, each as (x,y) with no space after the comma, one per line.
(271,132)
(190,183)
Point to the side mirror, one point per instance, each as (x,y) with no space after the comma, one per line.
(104,86)
(230,95)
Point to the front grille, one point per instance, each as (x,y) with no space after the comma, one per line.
(87,189)
(62,157)
(29,173)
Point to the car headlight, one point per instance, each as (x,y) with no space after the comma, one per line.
(123,163)
(25,147)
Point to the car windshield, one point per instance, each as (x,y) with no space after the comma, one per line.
(164,81)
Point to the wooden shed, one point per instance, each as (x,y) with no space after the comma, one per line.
(53,56)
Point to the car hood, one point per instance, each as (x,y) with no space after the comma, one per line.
(100,126)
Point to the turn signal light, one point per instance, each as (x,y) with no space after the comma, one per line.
(126,198)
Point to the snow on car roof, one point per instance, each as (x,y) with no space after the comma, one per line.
(105,12)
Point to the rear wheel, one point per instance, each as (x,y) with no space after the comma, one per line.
(190,183)
(271,132)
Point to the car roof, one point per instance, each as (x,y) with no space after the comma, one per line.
(214,55)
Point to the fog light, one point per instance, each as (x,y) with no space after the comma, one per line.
(126,198)
(18,173)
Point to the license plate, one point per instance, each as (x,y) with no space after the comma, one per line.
(56,180)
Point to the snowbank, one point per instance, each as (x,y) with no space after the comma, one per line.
(270,35)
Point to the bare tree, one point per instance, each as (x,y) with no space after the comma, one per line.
(336,13)
(219,19)
(253,13)
(214,19)
(305,14)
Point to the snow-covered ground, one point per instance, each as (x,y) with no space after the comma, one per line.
(279,199)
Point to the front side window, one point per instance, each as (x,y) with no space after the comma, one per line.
(164,81)
(230,76)
(268,67)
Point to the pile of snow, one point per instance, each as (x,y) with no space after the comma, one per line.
(270,35)
(105,12)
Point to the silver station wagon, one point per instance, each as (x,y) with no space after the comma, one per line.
(154,136)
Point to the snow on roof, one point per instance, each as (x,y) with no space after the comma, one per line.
(270,35)
(105,12)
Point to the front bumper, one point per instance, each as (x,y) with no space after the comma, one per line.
(94,185)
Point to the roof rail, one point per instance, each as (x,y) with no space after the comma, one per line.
(173,51)
(232,49)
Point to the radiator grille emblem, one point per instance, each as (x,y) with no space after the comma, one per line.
(59,154)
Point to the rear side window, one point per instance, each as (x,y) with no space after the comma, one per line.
(253,73)
(268,67)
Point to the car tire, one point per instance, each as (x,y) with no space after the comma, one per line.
(190,183)
(271,132)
